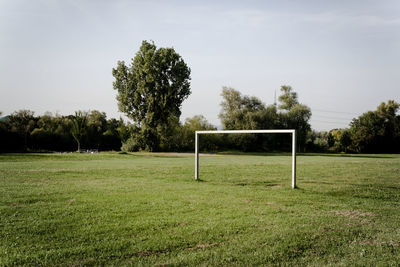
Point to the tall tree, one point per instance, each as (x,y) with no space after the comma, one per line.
(152,89)
(294,115)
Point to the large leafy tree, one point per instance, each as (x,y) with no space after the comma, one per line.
(151,90)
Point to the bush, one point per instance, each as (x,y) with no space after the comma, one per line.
(132,144)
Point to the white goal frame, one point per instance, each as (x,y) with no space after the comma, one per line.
(293,132)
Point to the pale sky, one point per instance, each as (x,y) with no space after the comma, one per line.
(342,57)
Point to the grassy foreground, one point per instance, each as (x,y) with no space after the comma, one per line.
(146,209)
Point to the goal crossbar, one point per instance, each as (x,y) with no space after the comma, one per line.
(292,132)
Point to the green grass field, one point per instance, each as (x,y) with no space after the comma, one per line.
(146,209)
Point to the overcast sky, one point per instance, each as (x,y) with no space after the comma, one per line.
(341,57)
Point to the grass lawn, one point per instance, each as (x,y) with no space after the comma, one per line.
(146,209)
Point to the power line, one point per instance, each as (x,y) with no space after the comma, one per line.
(331,111)
(334,118)
(331,122)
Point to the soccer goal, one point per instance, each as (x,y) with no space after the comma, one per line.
(293,132)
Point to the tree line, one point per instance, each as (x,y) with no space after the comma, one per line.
(23,131)
(151,90)
(375,131)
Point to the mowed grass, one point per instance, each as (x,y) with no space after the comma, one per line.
(146,209)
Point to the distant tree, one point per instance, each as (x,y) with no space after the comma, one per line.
(295,116)
(197,123)
(245,112)
(151,90)
(288,99)
(43,136)
(330,139)
(317,141)
(22,122)
(5,136)
(377,131)
(123,130)
(96,125)
(78,129)
(52,132)
(110,138)
(345,140)
(298,118)
(341,140)
(63,132)
(238,111)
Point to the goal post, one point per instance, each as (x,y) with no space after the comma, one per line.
(284,131)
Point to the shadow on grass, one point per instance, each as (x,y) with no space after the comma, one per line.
(63,156)
(26,155)
(253,153)
(263,184)
(239,153)
(372,156)
(252,184)
(173,155)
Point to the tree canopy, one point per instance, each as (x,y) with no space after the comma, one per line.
(377,131)
(288,98)
(249,112)
(151,90)
(22,122)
